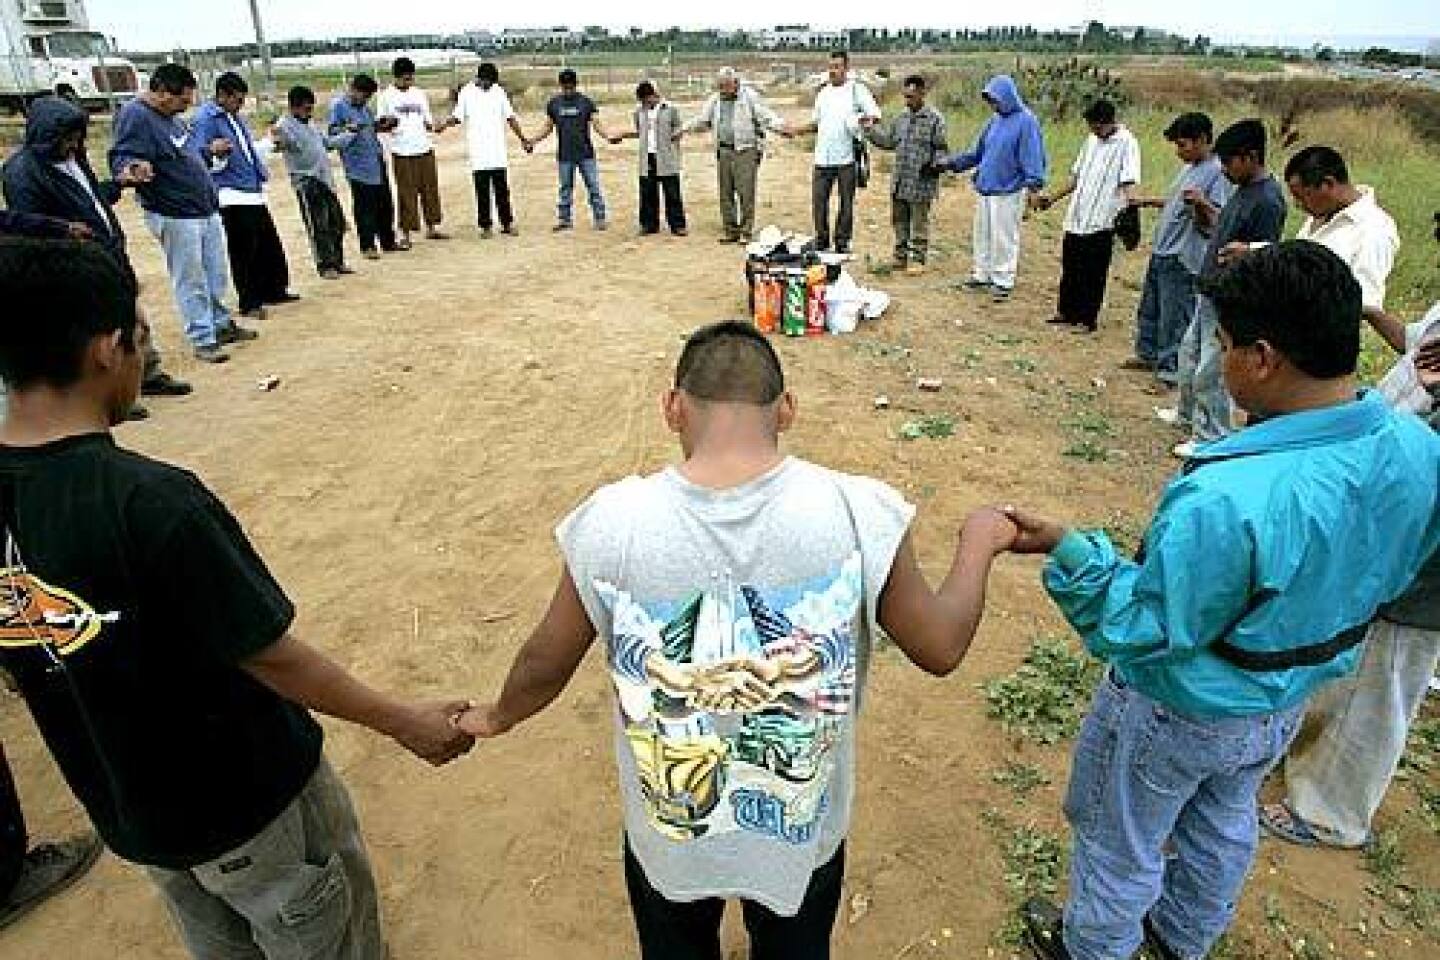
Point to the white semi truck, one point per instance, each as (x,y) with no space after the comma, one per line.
(48,48)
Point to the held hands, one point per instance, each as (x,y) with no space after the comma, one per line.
(990,527)
(482,721)
(136,173)
(81,231)
(1427,365)
(432,733)
(1040,202)
(220,147)
(527,144)
(614,141)
(1036,534)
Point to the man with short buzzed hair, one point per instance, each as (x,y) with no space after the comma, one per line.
(738,596)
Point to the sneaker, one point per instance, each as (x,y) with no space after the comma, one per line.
(1139,364)
(562,226)
(434,234)
(49,868)
(254,313)
(1184,450)
(1000,294)
(486,233)
(371,254)
(236,334)
(976,284)
(211,354)
(164,385)
(345,271)
(329,274)
(1159,949)
(286,297)
(136,413)
(728,238)
(1044,929)
(1059,320)
(1170,415)
(843,248)
(680,232)
(602,225)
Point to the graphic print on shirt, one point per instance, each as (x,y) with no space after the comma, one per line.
(734,700)
(32,613)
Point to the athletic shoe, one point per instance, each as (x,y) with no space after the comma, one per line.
(1170,415)
(999,294)
(48,869)
(164,385)
(211,354)
(236,334)
(1044,929)
(254,313)
(136,413)
(486,233)
(562,226)
(286,297)
(602,225)
(976,284)
(680,232)
(510,231)
(1184,450)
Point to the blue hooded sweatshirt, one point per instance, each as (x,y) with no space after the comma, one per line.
(238,171)
(1010,151)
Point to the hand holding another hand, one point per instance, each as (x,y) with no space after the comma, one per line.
(483,721)
(1036,534)
(431,731)
(991,527)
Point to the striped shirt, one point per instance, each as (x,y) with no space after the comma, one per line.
(1102,168)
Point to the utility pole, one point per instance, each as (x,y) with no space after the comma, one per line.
(266,65)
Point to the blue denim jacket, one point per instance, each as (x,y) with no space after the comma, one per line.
(1285,535)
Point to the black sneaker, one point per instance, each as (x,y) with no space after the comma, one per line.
(236,334)
(286,297)
(1044,929)
(136,413)
(211,354)
(510,230)
(49,868)
(843,248)
(164,385)
(559,227)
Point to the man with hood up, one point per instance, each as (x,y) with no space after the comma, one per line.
(51,176)
(1009,162)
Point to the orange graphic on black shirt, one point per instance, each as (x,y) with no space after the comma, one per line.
(33,612)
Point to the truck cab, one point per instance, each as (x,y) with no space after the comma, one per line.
(49,48)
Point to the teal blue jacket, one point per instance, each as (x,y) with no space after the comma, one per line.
(1267,556)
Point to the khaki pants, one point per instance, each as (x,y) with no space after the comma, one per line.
(911,220)
(301,889)
(737,171)
(417,184)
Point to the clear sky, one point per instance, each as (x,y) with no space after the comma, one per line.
(165,24)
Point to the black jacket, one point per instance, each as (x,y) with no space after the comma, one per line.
(33,184)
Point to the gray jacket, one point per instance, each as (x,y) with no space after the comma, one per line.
(752,119)
(306,150)
(667,151)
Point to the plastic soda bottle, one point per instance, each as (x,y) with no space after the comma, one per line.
(792,321)
(815,301)
(766,315)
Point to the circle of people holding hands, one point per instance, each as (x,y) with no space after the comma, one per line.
(158,655)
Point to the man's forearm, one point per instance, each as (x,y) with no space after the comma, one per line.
(534,681)
(300,673)
(1392,329)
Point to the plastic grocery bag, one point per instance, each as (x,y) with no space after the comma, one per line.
(843,301)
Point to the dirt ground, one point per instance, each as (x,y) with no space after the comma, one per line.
(440,411)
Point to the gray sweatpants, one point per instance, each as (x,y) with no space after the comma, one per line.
(911,220)
(301,889)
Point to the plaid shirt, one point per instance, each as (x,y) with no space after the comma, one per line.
(918,139)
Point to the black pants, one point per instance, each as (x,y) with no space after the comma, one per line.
(499,182)
(13,839)
(374,214)
(257,260)
(823,181)
(651,186)
(691,931)
(1084,268)
(320,209)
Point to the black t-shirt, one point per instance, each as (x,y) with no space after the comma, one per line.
(571,114)
(150,596)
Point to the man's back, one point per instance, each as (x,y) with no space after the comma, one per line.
(134,596)
(738,625)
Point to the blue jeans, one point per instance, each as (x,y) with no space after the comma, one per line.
(590,173)
(195,257)
(1142,775)
(1166,308)
(1205,404)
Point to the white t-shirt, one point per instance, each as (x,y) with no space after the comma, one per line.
(837,115)
(652,116)
(485,114)
(412,108)
(1100,170)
